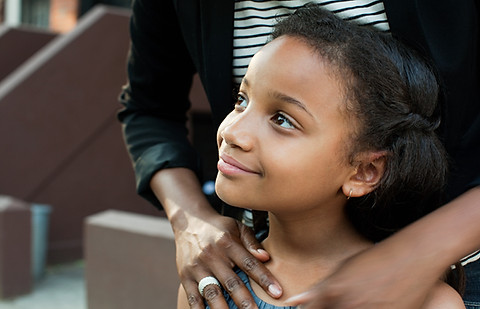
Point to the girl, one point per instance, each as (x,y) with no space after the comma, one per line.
(333,135)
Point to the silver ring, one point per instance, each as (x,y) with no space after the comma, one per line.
(202,284)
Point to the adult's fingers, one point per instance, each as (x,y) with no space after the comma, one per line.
(213,295)
(234,286)
(256,270)
(220,266)
(194,299)
(251,243)
(300,299)
(321,297)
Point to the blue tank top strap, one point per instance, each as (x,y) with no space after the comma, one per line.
(260,303)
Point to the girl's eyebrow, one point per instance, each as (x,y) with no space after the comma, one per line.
(244,82)
(288,99)
(283,97)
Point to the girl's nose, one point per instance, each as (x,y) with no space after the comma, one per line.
(237,132)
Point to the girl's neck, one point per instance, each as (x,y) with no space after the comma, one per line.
(328,237)
(312,245)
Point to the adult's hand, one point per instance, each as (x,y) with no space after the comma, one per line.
(400,271)
(209,244)
(371,279)
(213,248)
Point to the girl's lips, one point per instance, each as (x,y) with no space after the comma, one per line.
(228,165)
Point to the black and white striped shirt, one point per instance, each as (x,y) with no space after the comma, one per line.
(254,20)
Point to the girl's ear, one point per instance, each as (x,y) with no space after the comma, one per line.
(370,167)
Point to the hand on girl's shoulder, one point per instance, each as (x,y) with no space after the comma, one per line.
(443,296)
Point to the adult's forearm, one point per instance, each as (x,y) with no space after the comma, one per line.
(179,191)
(442,237)
(156,98)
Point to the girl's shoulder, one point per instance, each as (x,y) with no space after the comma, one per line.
(443,296)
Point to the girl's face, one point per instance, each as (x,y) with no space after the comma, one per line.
(283,147)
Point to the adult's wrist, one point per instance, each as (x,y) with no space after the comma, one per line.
(179,191)
(441,238)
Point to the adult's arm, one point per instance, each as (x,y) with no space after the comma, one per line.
(400,271)
(155,100)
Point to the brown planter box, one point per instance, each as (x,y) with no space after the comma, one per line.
(129,261)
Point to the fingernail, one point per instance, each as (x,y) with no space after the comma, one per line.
(274,290)
(262,251)
(295,298)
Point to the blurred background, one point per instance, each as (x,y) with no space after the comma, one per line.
(55,15)
(62,156)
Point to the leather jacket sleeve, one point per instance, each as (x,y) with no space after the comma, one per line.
(155,99)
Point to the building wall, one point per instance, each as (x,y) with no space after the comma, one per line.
(62,144)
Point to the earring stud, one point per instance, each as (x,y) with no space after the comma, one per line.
(349,194)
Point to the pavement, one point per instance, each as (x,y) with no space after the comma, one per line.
(62,287)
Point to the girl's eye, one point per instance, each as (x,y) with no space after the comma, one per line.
(241,103)
(282,121)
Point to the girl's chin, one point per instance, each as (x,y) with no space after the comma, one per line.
(232,195)
(232,199)
(228,198)
(226,191)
